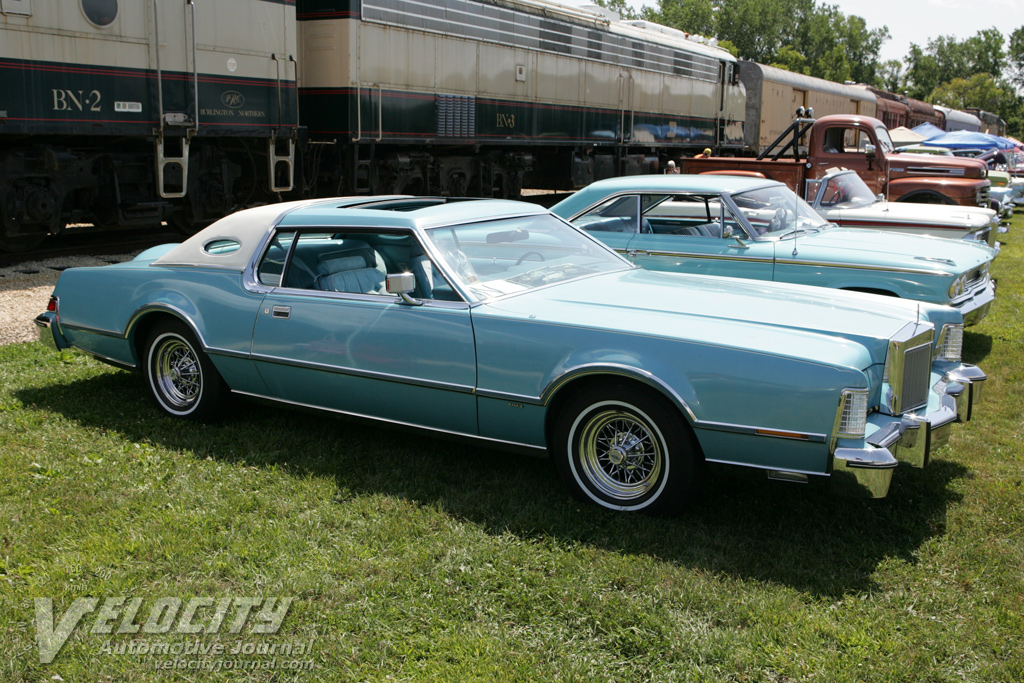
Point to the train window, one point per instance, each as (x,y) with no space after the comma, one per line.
(22,7)
(100,12)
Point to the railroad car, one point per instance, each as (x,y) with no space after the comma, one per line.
(953,119)
(990,123)
(922,112)
(773,95)
(128,113)
(892,109)
(478,97)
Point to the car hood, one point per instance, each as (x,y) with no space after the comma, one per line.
(889,249)
(918,214)
(782,319)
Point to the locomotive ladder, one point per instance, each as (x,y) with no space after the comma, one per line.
(281,150)
(165,160)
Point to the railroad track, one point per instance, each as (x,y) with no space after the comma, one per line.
(84,241)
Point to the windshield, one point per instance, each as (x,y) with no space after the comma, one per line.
(884,140)
(514,255)
(846,191)
(777,211)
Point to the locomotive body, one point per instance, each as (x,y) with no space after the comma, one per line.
(470,97)
(129,113)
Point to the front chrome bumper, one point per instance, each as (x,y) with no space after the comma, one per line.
(976,308)
(954,395)
(866,469)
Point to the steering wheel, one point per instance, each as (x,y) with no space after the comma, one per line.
(775,223)
(530,253)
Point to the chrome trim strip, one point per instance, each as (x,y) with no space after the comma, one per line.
(437,430)
(767,468)
(711,257)
(855,266)
(612,368)
(164,308)
(804,437)
(230,353)
(367,374)
(92,330)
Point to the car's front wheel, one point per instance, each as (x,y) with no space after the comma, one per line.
(181,376)
(626,448)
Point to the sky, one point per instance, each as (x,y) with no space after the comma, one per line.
(918,21)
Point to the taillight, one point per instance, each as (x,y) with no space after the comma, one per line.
(52,305)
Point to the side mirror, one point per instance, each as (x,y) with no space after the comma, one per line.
(869,150)
(727,232)
(401,284)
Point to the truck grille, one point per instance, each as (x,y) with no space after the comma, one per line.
(983,197)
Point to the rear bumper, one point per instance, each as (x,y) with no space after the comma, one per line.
(48,327)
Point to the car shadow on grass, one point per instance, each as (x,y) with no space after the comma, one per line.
(741,525)
(977,347)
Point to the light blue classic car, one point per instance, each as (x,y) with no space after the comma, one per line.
(760,229)
(499,322)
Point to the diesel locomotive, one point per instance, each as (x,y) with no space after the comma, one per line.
(130,113)
(123,114)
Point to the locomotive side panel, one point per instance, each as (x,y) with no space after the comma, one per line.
(151,111)
(469,95)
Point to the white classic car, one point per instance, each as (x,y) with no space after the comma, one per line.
(841,197)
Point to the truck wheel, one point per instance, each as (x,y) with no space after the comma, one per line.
(627,449)
(181,376)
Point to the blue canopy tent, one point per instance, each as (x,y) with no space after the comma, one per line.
(928,130)
(964,139)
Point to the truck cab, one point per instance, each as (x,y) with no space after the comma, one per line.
(862,144)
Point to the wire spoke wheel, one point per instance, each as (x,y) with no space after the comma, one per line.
(181,376)
(625,447)
(620,454)
(177,373)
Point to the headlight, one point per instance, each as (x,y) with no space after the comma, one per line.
(957,288)
(852,415)
(950,346)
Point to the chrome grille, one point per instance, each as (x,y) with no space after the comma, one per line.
(907,378)
(983,197)
(917,365)
(976,277)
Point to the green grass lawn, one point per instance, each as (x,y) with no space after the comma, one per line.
(414,559)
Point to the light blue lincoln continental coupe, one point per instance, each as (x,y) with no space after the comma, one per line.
(760,229)
(497,321)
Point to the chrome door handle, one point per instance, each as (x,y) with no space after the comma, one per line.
(281,311)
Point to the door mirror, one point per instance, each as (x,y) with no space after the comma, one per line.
(401,283)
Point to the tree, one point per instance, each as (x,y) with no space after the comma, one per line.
(1015,57)
(946,58)
(891,76)
(980,91)
(691,16)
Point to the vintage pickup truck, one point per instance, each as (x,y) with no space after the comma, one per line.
(862,144)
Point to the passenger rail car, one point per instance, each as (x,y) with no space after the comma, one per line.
(773,95)
(476,97)
(128,113)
